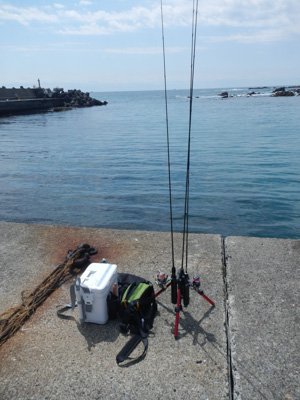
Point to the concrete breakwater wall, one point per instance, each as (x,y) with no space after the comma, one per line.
(21,100)
(17,93)
(27,106)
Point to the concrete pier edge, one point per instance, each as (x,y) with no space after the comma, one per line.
(262,308)
(229,358)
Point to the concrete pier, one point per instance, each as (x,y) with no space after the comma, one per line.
(247,347)
(263,293)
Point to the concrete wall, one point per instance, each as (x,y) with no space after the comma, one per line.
(24,106)
(17,93)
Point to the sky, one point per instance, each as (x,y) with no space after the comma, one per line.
(116,45)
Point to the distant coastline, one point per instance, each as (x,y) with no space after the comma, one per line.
(276,92)
(274,87)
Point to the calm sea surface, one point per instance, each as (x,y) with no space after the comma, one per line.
(107,166)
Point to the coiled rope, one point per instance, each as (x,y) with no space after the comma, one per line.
(13,319)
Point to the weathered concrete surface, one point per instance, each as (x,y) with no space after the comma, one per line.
(263,278)
(52,358)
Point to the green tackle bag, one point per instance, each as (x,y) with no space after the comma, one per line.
(137,309)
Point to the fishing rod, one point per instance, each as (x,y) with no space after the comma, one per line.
(180,283)
(173,272)
(183,280)
(187,186)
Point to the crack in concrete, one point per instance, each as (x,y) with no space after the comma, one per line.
(227,322)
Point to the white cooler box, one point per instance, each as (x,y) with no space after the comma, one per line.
(91,291)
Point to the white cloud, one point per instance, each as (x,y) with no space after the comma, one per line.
(244,20)
(249,13)
(86,29)
(263,36)
(251,21)
(26,15)
(58,5)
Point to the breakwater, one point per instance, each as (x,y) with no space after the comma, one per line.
(22,101)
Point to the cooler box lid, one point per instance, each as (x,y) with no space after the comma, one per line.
(97,276)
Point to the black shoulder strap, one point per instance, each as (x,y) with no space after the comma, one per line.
(68,307)
(128,349)
(140,331)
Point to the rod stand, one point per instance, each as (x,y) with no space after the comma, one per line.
(183,292)
(196,286)
(183,285)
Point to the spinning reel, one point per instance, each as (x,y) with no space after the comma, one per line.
(162,279)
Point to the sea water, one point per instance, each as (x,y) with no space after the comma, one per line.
(107,166)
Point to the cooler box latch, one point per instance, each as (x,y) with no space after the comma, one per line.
(88,297)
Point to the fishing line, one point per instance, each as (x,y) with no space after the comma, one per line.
(187,185)
(181,284)
(168,141)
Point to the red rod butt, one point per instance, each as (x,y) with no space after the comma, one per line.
(206,298)
(177,313)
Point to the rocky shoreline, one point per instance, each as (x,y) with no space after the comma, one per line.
(76,98)
(278,92)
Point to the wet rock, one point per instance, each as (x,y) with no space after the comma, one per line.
(282,92)
(76,98)
(280,89)
(224,95)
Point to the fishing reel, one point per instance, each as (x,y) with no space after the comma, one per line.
(162,280)
(196,284)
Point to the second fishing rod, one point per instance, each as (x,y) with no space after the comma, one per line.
(180,282)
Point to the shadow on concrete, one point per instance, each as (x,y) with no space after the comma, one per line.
(207,341)
(95,333)
(191,326)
